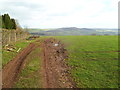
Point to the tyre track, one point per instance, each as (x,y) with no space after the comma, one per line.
(12,69)
(55,71)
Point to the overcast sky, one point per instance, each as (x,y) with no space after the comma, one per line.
(62,13)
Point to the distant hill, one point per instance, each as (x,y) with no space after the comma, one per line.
(73,31)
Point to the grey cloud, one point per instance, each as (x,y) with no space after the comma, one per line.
(30,6)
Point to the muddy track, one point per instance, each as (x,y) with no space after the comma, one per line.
(12,69)
(55,71)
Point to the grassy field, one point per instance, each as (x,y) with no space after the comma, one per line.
(91,67)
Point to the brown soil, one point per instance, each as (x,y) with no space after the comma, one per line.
(12,69)
(55,71)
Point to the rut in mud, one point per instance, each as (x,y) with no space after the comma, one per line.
(12,69)
(55,71)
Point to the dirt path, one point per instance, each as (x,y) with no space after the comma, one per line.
(55,71)
(12,69)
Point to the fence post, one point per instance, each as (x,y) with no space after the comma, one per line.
(9,36)
(15,35)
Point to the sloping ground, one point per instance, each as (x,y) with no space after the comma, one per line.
(12,69)
(55,71)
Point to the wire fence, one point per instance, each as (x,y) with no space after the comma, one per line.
(9,36)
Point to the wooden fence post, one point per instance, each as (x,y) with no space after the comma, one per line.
(15,35)
(9,37)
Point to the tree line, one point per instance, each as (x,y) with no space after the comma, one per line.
(7,22)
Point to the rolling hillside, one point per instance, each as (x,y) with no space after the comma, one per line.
(73,31)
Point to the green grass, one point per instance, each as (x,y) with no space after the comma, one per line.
(93,70)
(8,55)
(30,75)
